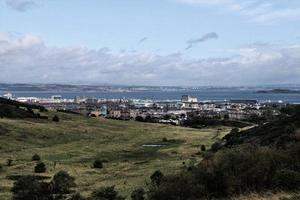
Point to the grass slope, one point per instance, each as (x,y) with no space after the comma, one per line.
(75,142)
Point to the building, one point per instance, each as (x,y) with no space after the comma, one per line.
(114,114)
(56,97)
(8,96)
(189,99)
(28,99)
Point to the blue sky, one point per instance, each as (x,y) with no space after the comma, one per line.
(169,42)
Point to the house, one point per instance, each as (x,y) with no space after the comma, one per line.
(114,114)
(189,99)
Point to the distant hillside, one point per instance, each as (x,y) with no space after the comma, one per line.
(14,109)
(278,133)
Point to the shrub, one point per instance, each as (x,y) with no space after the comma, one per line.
(203,148)
(40,167)
(36,157)
(156,178)
(55,118)
(9,162)
(98,164)
(138,194)
(139,119)
(62,183)
(287,180)
(216,146)
(76,196)
(106,193)
(28,188)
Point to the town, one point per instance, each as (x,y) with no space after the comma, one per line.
(164,111)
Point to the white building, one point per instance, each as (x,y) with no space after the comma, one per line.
(189,99)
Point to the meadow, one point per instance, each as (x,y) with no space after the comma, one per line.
(132,151)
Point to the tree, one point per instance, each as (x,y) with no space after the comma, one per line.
(36,157)
(156,178)
(138,194)
(28,188)
(40,167)
(203,148)
(106,193)
(98,164)
(139,118)
(62,183)
(55,118)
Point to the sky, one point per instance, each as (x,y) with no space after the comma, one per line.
(157,42)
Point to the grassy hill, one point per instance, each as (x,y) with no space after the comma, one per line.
(75,142)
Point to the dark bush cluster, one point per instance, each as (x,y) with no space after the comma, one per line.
(36,157)
(29,187)
(234,171)
(61,188)
(40,167)
(98,164)
(55,118)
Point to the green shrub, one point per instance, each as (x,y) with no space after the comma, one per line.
(287,180)
(156,178)
(216,146)
(28,188)
(138,194)
(98,164)
(40,167)
(55,118)
(62,183)
(203,148)
(36,157)
(106,193)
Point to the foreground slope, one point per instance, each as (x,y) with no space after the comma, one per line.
(75,142)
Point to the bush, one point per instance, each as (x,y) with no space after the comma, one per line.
(28,188)
(40,167)
(106,193)
(203,148)
(55,118)
(62,183)
(138,194)
(98,164)
(216,146)
(76,196)
(156,178)
(9,162)
(36,157)
(287,180)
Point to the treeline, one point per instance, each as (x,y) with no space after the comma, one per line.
(201,121)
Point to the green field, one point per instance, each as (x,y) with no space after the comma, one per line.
(76,141)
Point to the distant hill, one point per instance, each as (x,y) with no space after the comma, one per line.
(278,133)
(279,91)
(14,109)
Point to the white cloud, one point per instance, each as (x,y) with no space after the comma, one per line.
(263,12)
(27,59)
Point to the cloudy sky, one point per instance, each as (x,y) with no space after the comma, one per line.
(157,42)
